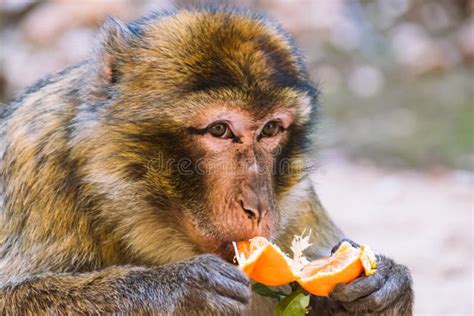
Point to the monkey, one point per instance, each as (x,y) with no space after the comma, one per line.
(125,178)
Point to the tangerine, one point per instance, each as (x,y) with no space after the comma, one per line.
(266,263)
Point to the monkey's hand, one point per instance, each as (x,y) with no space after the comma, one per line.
(387,292)
(211,286)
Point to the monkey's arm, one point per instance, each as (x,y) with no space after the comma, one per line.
(107,291)
(204,284)
(387,292)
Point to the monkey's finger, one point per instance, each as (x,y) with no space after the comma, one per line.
(385,296)
(227,306)
(213,264)
(358,288)
(353,244)
(229,271)
(231,289)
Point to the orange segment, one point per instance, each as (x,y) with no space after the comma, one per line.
(264,262)
(367,258)
(342,247)
(321,276)
(248,253)
(316,265)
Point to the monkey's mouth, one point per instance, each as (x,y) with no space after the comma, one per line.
(210,239)
(226,251)
(223,249)
(223,246)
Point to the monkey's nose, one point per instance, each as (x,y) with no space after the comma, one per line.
(254,210)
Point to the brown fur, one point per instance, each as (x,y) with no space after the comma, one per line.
(82,202)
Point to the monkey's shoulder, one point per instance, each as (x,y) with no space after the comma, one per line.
(61,84)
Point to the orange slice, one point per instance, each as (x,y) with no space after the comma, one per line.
(320,277)
(264,262)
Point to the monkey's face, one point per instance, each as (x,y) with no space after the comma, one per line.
(217,172)
(235,152)
(208,118)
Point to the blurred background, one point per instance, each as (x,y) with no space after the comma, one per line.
(396,136)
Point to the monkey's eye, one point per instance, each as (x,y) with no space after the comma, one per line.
(220,130)
(271,129)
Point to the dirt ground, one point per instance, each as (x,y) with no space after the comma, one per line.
(424,220)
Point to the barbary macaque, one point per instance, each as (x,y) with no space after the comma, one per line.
(92,223)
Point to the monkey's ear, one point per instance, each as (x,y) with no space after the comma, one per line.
(114,41)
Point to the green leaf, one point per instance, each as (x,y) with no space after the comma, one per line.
(264,290)
(293,305)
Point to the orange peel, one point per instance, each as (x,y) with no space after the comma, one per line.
(266,263)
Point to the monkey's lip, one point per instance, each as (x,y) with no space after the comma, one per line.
(221,245)
(223,249)
(226,251)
